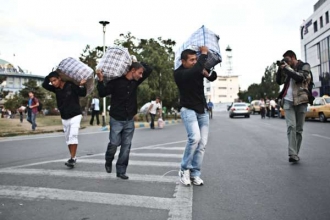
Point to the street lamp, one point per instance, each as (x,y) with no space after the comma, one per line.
(104,127)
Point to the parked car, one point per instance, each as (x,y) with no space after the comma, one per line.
(255,107)
(320,109)
(239,109)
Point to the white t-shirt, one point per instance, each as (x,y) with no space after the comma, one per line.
(288,96)
(96,103)
(154,107)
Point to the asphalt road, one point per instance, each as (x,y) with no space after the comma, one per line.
(246,173)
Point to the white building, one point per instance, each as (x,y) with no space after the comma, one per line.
(315,40)
(223,90)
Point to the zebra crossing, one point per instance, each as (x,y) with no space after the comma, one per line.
(149,167)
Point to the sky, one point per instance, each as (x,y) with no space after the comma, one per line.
(42,33)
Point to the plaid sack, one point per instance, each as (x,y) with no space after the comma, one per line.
(73,70)
(202,37)
(114,63)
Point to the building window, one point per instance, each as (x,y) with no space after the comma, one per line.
(230,88)
(208,89)
(222,96)
(327,17)
(321,22)
(222,87)
(315,26)
(222,79)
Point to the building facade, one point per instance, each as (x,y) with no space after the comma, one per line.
(223,90)
(315,46)
(14,78)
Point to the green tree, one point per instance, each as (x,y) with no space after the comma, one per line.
(14,102)
(31,85)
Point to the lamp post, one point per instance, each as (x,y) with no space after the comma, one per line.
(104,127)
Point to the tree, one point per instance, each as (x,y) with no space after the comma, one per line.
(31,85)
(14,102)
(268,86)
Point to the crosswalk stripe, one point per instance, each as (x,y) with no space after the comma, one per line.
(89,175)
(135,162)
(156,155)
(168,148)
(37,193)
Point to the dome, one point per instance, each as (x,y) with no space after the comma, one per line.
(5,66)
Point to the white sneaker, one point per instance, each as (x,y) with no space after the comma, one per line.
(185,177)
(197,181)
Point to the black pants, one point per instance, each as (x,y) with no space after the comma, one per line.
(96,114)
(152,123)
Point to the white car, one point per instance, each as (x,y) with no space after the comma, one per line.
(240,109)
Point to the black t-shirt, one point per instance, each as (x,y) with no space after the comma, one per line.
(191,85)
(67,98)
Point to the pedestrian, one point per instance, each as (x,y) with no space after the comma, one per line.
(189,78)
(33,104)
(67,98)
(262,108)
(295,75)
(267,103)
(210,108)
(95,107)
(152,110)
(272,105)
(123,91)
(21,111)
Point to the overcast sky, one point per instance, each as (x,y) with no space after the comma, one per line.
(43,32)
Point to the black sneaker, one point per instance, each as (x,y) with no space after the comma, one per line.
(122,176)
(294,159)
(108,167)
(70,163)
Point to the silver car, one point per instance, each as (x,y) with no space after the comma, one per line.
(240,109)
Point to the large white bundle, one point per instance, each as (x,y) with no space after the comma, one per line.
(114,63)
(202,37)
(73,70)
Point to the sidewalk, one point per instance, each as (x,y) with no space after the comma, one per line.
(25,129)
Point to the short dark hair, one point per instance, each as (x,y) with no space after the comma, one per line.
(290,53)
(186,52)
(136,65)
(53,74)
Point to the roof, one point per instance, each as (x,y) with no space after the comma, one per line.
(4,62)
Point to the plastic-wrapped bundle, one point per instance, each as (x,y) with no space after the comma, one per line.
(73,70)
(115,62)
(202,37)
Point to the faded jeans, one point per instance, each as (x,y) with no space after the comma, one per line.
(32,119)
(295,118)
(121,134)
(197,127)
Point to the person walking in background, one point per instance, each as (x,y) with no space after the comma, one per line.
(67,98)
(152,110)
(295,75)
(262,108)
(33,104)
(189,78)
(95,107)
(21,111)
(272,105)
(210,108)
(123,91)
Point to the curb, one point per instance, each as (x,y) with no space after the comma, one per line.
(147,124)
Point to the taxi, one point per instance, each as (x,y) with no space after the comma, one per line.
(320,109)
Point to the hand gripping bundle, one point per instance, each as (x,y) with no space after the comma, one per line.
(202,37)
(73,70)
(115,62)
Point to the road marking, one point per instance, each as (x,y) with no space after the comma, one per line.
(88,175)
(134,162)
(317,135)
(38,193)
(182,207)
(169,148)
(156,155)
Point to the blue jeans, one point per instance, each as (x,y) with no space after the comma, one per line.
(121,134)
(197,127)
(295,118)
(32,119)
